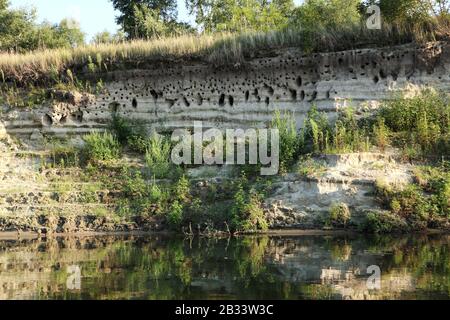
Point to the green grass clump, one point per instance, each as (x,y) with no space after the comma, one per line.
(290,142)
(157,156)
(101,147)
(420,124)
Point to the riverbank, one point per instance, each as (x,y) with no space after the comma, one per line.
(362,147)
(17,236)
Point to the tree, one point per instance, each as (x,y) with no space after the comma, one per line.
(413,11)
(19,31)
(240,15)
(107,37)
(316,14)
(16,28)
(129,9)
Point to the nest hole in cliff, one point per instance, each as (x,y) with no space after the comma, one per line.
(199,100)
(302,95)
(154,94)
(299,81)
(114,107)
(134,103)
(186,102)
(247,95)
(313,96)
(231,100)
(293,94)
(47,120)
(222,100)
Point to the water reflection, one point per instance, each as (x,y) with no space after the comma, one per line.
(247,268)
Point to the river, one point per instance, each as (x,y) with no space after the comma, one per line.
(254,267)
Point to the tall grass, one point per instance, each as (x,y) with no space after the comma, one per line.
(224,48)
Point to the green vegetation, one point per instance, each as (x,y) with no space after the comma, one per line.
(157,156)
(101,147)
(231,32)
(345,135)
(339,215)
(246,213)
(290,143)
(420,123)
(19,31)
(424,204)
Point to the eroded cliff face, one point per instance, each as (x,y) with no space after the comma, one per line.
(169,96)
(173,95)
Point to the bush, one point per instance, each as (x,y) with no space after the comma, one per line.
(175,216)
(289,141)
(384,222)
(157,156)
(381,134)
(422,122)
(133,136)
(101,147)
(436,180)
(246,212)
(347,135)
(339,215)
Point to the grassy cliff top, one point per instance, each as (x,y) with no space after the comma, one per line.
(40,67)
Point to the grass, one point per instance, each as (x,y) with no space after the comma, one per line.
(225,48)
(101,147)
(419,124)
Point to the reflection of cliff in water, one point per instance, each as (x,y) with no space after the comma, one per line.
(249,267)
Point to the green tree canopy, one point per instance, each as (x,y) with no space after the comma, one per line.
(413,11)
(133,13)
(149,24)
(19,31)
(240,15)
(316,14)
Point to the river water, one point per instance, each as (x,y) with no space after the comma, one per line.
(263,267)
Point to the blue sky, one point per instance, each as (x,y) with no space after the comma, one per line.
(93,15)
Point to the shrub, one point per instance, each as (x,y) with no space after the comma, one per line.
(175,216)
(246,211)
(133,185)
(157,156)
(339,215)
(121,128)
(436,180)
(134,136)
(381,134)
(310,167)
(317,131)
(289,140)
(101,147)
(384,222)
(347,135)
(422,122)
(253,217)
(182,190)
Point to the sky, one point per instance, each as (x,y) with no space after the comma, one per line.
(94,16)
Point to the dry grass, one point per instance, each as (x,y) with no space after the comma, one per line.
(42,66)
